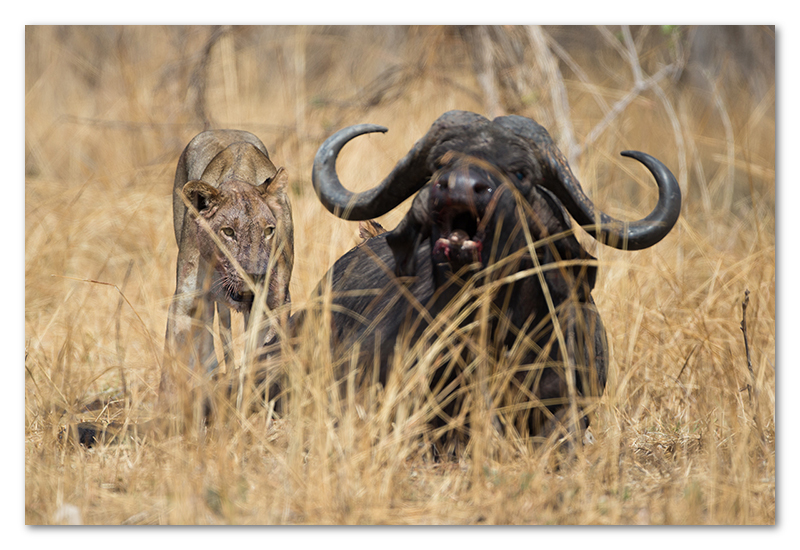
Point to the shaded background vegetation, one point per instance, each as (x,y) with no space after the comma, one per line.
(685,432)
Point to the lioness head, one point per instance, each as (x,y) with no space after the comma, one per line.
(254,224)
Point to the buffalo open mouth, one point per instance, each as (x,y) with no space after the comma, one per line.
(458,238)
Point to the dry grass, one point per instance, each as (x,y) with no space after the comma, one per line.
(685,433)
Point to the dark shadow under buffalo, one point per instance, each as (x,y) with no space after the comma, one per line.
(487,237)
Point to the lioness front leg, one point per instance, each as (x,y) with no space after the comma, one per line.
(190,334)
(191,315)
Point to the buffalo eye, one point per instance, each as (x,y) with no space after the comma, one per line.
(228,232)
(520,175)
(269,231)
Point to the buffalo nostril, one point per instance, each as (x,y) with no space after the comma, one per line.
(480,188)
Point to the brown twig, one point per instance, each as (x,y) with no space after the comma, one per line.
(752,396)
(743,326)
(641,83)
(678,378)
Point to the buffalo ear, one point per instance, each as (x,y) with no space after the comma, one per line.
(276,184)
(200,194)
(568,248)
(404,242)
(405,239)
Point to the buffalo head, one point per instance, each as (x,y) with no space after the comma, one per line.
(494,197)
(462,157)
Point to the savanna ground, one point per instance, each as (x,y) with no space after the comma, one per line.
(685,432)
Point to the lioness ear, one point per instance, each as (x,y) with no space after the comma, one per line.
(200,194)
(275,184)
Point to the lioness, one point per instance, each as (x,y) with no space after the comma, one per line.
(233,224)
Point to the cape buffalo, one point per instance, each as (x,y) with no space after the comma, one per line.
(485,260)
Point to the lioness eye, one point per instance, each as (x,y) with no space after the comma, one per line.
(227,231)
(270,229)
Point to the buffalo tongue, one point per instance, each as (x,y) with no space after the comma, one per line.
(456,248)
(457,237)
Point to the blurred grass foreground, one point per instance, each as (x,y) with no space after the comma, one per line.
(685,432)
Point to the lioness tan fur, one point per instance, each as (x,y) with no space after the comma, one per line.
(233,225)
